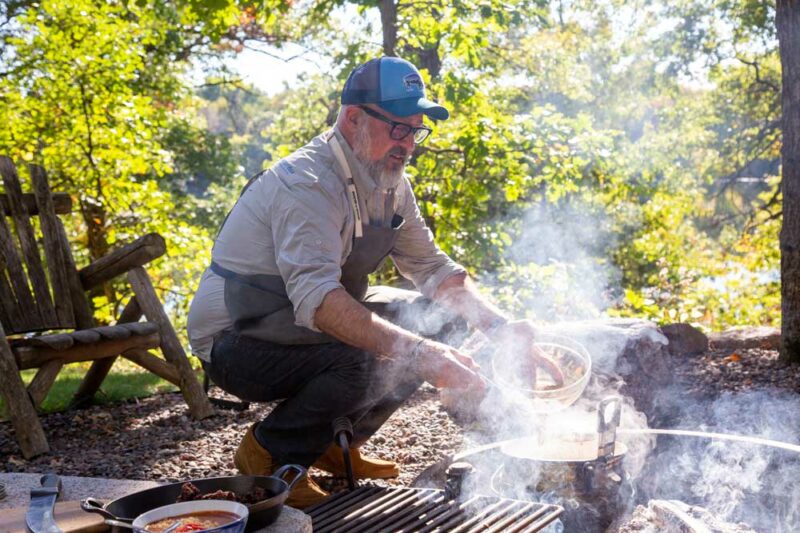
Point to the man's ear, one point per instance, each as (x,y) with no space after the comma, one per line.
(352,117)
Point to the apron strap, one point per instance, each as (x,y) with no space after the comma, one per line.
(352,193)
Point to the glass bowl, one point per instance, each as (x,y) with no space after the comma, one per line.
(545,394)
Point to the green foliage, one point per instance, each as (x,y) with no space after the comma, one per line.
(657,128)
(600,159)
(95,93)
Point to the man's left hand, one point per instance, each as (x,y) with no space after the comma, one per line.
(520,336)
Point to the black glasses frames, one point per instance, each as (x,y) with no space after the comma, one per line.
(400,130)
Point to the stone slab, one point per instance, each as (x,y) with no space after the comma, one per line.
(18,487)
(743,338)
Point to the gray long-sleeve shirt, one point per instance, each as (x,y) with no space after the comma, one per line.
(295,220)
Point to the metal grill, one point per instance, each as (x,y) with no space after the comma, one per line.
(369,509)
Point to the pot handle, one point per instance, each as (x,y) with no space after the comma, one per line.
(608,416)
(92,505)
(299,471)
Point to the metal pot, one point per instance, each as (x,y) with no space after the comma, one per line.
(263,513)
(576,464)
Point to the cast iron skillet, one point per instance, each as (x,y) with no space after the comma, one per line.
(263,513)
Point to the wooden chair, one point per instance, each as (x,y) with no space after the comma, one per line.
(44,294)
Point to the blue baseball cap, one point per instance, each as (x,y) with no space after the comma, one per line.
(394,85)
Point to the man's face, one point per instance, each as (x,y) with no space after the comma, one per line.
(384,157)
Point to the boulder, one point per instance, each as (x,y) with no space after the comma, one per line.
(743,338)
(673,516)
(631,350)
(685,339)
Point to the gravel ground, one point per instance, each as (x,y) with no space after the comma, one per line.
(718,371)
(154,439)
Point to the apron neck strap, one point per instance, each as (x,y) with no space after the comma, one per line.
(352,193)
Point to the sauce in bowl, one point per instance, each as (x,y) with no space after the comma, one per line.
(197,521)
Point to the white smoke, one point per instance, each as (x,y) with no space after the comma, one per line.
(737,481)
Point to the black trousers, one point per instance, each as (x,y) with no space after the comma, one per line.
(321,382)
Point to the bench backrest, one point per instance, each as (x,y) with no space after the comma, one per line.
(36,292)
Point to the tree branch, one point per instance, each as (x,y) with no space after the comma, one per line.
(757,69)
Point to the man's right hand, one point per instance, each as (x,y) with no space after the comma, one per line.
(445,367)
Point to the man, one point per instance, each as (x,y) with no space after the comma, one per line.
(285,311)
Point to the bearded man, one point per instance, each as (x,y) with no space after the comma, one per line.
(285,311)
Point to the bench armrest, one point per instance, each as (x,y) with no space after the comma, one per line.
(138,253)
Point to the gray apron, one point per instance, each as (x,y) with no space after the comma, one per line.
(258,303)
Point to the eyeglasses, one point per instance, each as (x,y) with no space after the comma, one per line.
(400,130)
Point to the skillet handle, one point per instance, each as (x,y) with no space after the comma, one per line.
(299,471)
(118,523)
(92,505)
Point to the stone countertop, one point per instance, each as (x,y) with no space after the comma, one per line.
(18,487)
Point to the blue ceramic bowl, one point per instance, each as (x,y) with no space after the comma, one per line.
(184,508)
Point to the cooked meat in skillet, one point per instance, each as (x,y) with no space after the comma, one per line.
(190,492)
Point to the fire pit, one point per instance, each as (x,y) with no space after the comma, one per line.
(746,483)
(582,471)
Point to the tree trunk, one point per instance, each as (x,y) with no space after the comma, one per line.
(429,59)
(389,23)
(788,23)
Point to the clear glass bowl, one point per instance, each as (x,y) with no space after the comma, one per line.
(545,395)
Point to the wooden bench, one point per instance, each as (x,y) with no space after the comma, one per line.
(40,294)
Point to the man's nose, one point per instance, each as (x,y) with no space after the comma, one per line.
(408,142)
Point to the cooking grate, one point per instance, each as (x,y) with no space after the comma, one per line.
(369,509)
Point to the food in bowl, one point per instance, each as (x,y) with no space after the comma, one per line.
(218,516)
(545,391)
(199,521)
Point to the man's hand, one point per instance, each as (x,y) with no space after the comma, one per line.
(518,336)
(445,367)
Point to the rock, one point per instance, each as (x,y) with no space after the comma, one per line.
(684,339)
(672,516)
(290,519)
(745,338)
(632,350)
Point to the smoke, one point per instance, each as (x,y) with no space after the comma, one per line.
(737,481)
(558,266)
(559,273)
(565,277)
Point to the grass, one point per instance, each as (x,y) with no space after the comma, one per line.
(125,381)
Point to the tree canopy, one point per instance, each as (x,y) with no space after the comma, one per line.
(601,157)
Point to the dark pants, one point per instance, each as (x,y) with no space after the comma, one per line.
(321,382)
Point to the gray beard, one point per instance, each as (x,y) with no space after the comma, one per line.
(383,177)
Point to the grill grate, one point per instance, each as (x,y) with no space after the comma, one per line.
(369,509)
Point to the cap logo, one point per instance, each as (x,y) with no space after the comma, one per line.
(412,82)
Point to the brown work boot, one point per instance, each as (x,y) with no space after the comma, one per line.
(306,493)
(251,459)
(363,467)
